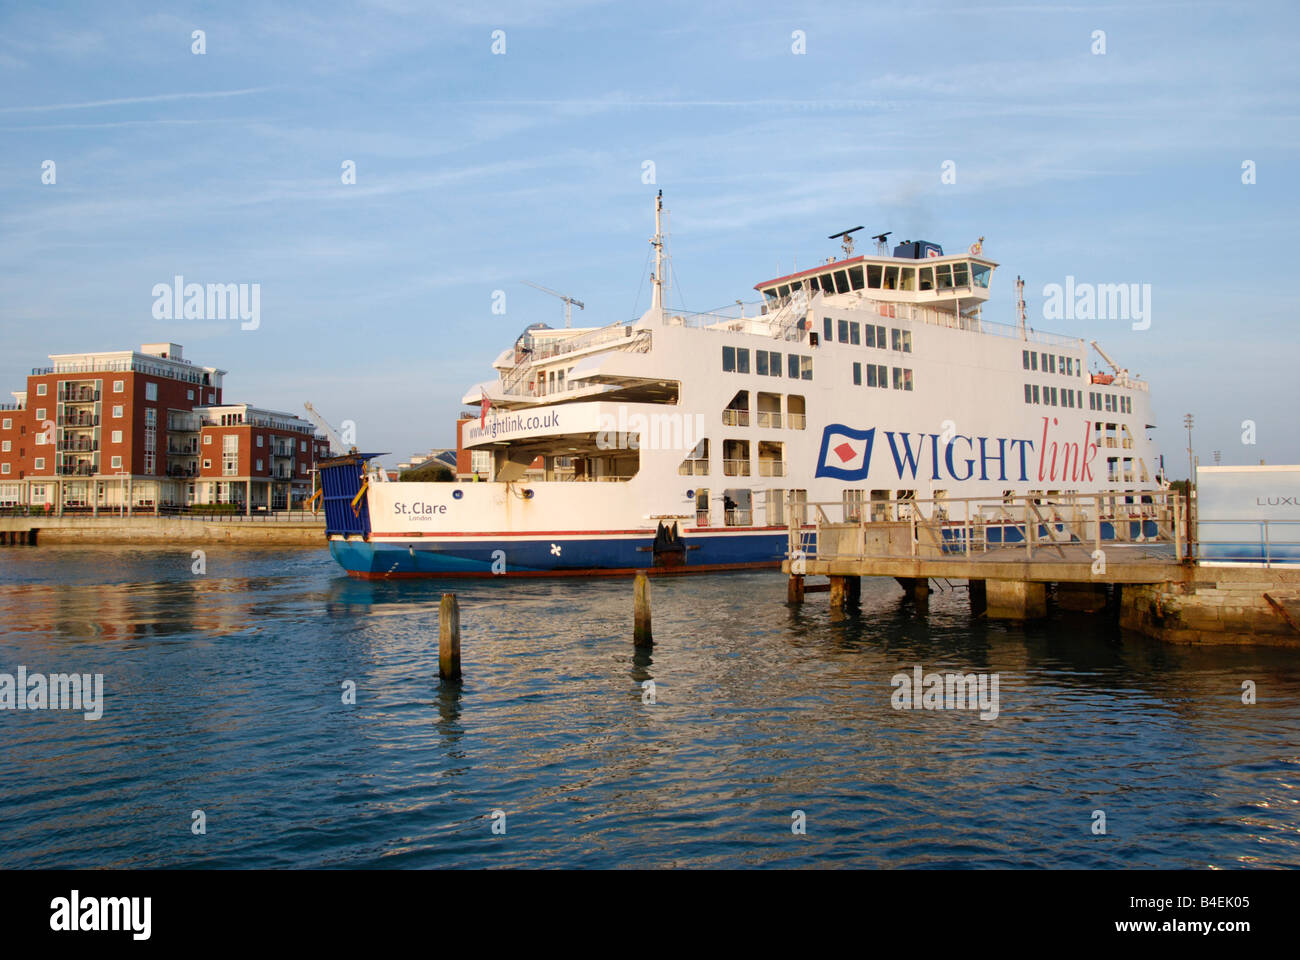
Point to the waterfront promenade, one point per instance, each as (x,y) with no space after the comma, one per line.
(286,528)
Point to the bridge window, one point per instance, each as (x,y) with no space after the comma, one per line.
(874,271)
(960,277)
(891,278)
(927,278)
(828,285)
(980,274)
(857,374)
(907,279)
(855,278)
(943,276)
(841,281)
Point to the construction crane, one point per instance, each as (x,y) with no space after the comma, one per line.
(336,443)
(569,302)
(1121,373)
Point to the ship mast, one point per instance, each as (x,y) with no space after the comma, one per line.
(1020,308)
(657,241)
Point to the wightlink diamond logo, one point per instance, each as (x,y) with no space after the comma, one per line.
(845,453)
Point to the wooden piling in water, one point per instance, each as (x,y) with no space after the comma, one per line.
(641,633)
(794,589)
(449,638)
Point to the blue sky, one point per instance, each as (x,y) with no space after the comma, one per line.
(476,171)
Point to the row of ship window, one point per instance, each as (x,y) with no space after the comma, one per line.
(878,375)
(1073,399)
(1053,396)
(1110,402)
(767,363)
(1051,363)
(850,332)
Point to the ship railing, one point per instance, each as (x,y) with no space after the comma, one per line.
(733,417)
(634,341)
(1066,527)
(735,468)
(731,314)
(769,418)
(771,468)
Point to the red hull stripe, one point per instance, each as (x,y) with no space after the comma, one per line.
(497,535)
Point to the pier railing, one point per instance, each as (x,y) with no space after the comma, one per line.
(1028,526)
(1266,543)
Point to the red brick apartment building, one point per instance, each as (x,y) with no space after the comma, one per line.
(146,430)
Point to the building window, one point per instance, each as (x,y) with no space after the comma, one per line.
(207,439)
(117,436)
(212,398)
(189,395)
(1024,358)
(148,463)
(119,386)
(259,466)
(150,391)
(207,464)
(117,412)
(857,374)
(259,443)
(41,389)
(7,424)
(302,446)
(826,329)
(1029,397)
(40,413)
(1033,360)
(116,463)
(4,447)
(39,463)
(4,468)
(230,455)
(1036,393)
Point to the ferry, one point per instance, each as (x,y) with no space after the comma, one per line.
(690,442)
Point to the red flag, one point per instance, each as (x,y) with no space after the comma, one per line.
(484,406)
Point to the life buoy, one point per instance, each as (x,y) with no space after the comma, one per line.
(976,248)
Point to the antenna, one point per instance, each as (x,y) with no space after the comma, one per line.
(882,248)
(569,302)
(848,239)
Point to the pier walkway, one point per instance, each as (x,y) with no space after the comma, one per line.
(1124,552)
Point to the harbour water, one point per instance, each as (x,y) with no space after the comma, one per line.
(223,692)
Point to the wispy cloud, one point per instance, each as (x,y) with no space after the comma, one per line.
(126,101)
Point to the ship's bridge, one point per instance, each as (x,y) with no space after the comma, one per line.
(918,272)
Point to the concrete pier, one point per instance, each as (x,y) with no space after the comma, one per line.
(1015,599)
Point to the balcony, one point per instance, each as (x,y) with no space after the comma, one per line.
(78,420)
(183,472)
(80,445)
(79,396)
(76,470)
(182,449)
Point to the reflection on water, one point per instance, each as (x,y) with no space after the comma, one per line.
(224,693)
